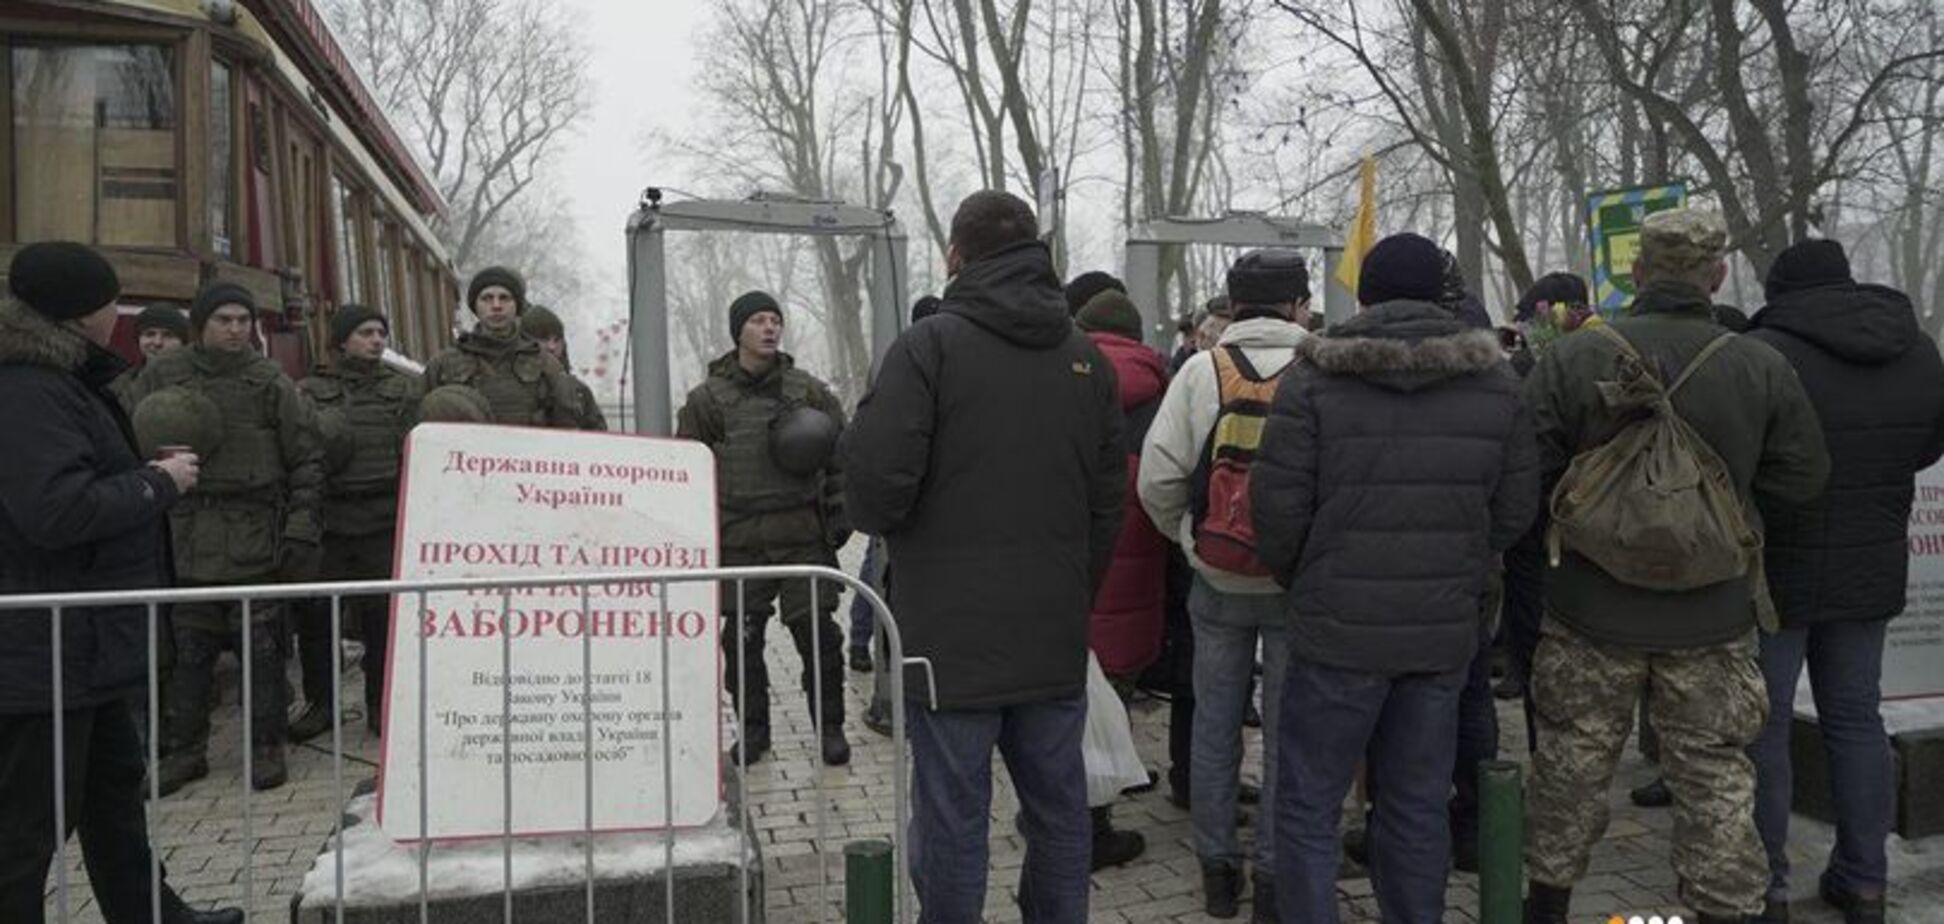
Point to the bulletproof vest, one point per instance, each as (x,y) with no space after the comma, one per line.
(751,481)
(512,377)
(227,530)
(378,406)
(249,463)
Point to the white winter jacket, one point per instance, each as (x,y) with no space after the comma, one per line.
(1179,436)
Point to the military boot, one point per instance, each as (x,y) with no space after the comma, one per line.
(1547,904)
(267,769)
(315,721)
(185,720)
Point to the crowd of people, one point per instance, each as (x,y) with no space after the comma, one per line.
(1670,511)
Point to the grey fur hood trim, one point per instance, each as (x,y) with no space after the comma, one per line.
(29,339)
(1464,353)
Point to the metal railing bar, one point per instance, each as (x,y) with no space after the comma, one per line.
(60,771)
(249,755)
(587,744)
(337,746)
(506,751)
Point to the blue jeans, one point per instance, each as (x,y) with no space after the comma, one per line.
(1227,627)
(951,798)
(861,616)
(1845,672)
(1409,725)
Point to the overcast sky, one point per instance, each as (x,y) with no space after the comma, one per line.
(642,66)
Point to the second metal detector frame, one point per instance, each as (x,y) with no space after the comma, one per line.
(1237,229)
(648,275)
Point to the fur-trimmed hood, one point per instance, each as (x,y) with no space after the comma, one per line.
(28,338)
(1403,345)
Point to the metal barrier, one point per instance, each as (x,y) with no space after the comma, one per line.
(886,640)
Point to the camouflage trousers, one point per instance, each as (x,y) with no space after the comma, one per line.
(1708,705)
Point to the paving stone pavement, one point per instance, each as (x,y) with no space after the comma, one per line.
(214,856)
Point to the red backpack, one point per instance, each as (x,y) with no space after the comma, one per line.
(1224,530)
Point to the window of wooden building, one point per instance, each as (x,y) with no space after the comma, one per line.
(348,239)
(93,132)
(221,184)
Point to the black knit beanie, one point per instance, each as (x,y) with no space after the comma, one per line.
(496,276)
(1270,276)
(749,305)
(214,297)
(925,307)
(62,280)
(540,323)
(1552,289)
(348,319)
(1402,266)
(1085,286)
(163,317)
(1808,265)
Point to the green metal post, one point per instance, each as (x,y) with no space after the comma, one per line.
(867,882)
(1501,842)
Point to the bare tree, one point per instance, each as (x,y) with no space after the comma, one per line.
(1787,101)
(485,89)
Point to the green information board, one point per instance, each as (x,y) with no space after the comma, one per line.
(1613,220)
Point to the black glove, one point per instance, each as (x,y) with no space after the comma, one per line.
(300,561)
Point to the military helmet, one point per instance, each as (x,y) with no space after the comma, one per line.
(178,416)
(802,439)
(455,404)
(340,444)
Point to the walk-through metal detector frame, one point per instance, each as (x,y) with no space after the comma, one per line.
(648,275)
(1236,229)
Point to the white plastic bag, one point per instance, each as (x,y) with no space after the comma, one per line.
(1108,744)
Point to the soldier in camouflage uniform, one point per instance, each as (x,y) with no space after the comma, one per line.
(1604,641)
(772,516)
(377,406)
(523,384)
(158,330)
(540,323)
(253,519)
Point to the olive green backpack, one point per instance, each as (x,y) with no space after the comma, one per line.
(1655,506)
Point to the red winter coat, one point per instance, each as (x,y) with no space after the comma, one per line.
(1124,629)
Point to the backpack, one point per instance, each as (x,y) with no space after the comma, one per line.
(1223,527)
(1654,506)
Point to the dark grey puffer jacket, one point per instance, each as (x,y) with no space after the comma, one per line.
(1397,461)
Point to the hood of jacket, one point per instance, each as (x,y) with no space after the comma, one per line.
(726,367)
(1865,324)
(1403,346)
(480,343)
(1015,294)
(1263,334)
(1140,371)
(28,338)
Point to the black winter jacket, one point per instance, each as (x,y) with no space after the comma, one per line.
(1878,386)
(988,455)
(1397,461)
(78,512)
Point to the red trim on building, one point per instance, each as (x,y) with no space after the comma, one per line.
(300,28)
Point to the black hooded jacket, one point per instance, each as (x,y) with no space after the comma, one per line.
(1878,386)
(988,455)
(1397,461)
(78,512)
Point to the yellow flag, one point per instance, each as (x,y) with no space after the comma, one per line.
(1363,228)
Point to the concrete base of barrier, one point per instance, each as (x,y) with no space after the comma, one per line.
(466,882)
(1917,774)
